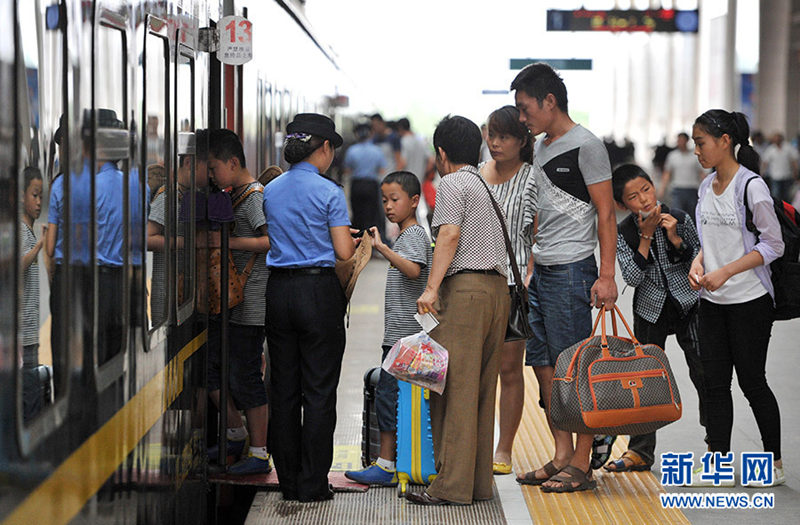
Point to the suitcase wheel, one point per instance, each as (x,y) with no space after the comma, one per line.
(402,489)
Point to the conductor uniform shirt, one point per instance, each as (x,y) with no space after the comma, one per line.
(108,214)
(79,203)
(300,207)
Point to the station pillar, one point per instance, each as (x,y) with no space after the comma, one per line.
(778,84)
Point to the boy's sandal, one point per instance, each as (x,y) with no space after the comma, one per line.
(601,450)
(529,478)
(634,463)
(567,477)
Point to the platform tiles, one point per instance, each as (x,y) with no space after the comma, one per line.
(376,506)
(624,498)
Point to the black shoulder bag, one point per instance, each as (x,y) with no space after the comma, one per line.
(519,328)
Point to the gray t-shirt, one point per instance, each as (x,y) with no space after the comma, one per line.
(249,216)
(400,303)
(559,196)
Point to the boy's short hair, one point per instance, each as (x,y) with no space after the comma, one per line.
(407,180)
(460,138)
(31,173)
(224,144)
(540,79)
(623,175)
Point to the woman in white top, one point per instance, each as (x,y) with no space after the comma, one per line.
(733,275)
(507,174)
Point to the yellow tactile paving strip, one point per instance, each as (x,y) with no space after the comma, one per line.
(619,498)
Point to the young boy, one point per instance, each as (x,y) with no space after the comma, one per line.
(227,168)
(655,249)
(405,282)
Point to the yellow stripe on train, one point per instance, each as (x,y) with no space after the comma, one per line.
(62,495)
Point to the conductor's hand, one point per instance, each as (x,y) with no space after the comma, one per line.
(356,240)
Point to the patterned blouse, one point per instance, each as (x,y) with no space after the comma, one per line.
(462,199)
(510,196)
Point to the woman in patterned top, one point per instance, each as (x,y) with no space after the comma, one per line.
(507,173)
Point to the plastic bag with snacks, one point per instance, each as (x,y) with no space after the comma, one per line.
(420,360)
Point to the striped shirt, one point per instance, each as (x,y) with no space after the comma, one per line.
(510,196)
(249,216)
(462,199)
(400,302)
(158,278)
(29,313)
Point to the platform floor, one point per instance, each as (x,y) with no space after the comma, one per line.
(620,498)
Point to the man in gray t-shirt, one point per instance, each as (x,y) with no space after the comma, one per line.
(571,188)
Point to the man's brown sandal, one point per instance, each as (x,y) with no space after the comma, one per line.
(530,477)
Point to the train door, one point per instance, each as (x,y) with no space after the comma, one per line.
(42,274)
(115,182)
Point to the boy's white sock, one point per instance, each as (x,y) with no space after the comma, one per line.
(386,464)
(237,434)
(259,452)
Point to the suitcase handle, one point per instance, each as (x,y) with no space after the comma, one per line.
(603,338)
(601,320)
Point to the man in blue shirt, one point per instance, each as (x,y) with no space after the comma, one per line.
(365,163)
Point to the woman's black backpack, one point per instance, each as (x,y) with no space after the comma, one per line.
(785,269)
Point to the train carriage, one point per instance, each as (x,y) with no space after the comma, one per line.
(110,425)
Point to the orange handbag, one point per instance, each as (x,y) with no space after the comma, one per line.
(613,385)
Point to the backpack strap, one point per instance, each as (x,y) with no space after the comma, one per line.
(246,193)
(748,214)
(240,199)
(630,232)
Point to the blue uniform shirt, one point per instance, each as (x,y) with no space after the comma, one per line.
(108,194)
(365,159)
(80,215)
(300,207)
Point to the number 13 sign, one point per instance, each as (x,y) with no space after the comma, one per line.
(235,40)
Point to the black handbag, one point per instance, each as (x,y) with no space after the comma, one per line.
(519,327)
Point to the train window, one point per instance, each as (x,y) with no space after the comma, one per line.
(111,145)
(35,349)
(41,247)
(185,169)
(160,177)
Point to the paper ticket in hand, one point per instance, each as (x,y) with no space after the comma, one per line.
(427,321)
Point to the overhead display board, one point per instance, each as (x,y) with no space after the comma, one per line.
(648,21)
(584,64)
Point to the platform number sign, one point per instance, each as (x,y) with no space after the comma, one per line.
(235,40)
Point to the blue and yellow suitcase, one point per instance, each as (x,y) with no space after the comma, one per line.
(415,462)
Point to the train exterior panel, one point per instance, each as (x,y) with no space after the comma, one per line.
(106,420)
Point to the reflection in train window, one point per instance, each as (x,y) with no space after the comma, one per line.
(42,82)
(111,149)
(158,175)
(184,116)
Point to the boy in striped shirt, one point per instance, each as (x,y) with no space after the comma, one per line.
(405,281)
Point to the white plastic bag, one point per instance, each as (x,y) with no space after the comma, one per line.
(420,360)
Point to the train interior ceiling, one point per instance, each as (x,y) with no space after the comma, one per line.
(103,401)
